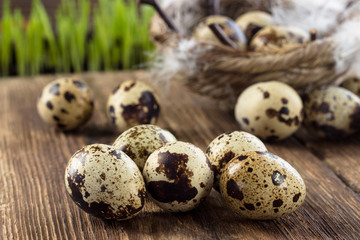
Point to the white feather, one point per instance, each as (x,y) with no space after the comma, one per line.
(174,60)
(322,15)
(347,42)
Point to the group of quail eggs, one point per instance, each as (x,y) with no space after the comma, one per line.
(68,103)
(252,31)
(111,182)
(274,111)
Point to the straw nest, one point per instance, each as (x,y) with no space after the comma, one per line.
(221,72)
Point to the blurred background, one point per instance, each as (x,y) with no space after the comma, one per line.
(51,36)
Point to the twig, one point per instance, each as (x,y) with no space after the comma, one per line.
(215,7)
(161,12)
(313,34)
(220,34)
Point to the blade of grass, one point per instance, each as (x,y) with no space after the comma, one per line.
(5,39)
(19,42)
(49,45)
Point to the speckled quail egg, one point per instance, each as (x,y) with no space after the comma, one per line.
(228,145)
(270,110)
(352,84)
(332,112)
(140,141)
(66,103)
(260,185)
(105,182)
(178,176)
(251,22)
(133,103)
(271,38)
(202,31)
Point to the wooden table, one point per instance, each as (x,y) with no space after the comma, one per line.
(33,156)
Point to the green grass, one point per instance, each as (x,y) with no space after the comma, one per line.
(116,39)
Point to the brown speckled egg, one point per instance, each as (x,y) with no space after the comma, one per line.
(272,38)
(332,112)
(228,145)
(270,110)
(105,182)
(203,33)
(260,185)
(66,103)
(178,176)
(253,21)
(140,141)
(133,103)
(352,84)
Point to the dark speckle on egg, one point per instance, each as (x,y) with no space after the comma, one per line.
(277,178)
(277,203)
(233,190)
(79,84)
(249,206)
(69,96)
(266,94)
(49,105)
(174,167)
(143,112)
(54,89)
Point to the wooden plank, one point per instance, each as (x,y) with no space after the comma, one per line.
(33,157)
(342,156)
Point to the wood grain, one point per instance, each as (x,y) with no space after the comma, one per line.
(342,156)
(33,157)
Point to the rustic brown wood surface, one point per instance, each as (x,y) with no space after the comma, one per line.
(33,157)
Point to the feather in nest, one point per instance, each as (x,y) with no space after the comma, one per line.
(339,19)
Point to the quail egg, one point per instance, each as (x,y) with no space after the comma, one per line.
(105,182)
(251,22)
(133,103)
(260,185)
(228,145)
(270,110)
(272,38)
(352,84)
(332,112)
(140,141)
(66,103)
(203,33)
(178,176)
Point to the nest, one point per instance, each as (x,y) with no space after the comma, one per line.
(221,72)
